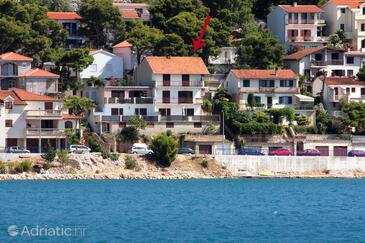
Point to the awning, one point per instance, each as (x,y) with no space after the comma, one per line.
(304,98)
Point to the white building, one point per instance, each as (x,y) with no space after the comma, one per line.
(125,51)
(348,16)
(297,25)
(32,121)
(315,61)
(336,89)
(133,11)
(71,23)
(105,65)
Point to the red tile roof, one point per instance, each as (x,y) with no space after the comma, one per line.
(63,15)
(70,116)
(12,56)
(177,65)
(349,3)
(129,14)
(300,54)
(302,9)
(37,72)
(123,44)
(6,93)
(343,81)
(28,96)
(130,5)
(264,74)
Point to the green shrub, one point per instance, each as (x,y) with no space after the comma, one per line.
(93,144)
(129,134)
(3,169)
(207,105)
(50,153)
(63,157)
(164,149)
(114,156)
(105,154)
(97,172)
(130,163)
(302,120)
(24,166)
(204,163)
(46,166)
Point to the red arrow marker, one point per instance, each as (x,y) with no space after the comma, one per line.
(198,43)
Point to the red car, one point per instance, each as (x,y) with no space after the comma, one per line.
(282,152)
(309,152)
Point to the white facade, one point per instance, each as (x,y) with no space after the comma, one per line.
(129,56)
(105,65)
(226,56)
(349,17)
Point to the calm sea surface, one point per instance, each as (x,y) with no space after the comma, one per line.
(183,211)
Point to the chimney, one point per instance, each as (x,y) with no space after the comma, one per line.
(168,57)
(295,4)
(276,72)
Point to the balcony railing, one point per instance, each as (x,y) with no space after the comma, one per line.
(175,83)
(328,62)
(45,132)
(126,119)
(185,100)
(146,118)
(110,118)
(134,100)
(44,113)
(269,89)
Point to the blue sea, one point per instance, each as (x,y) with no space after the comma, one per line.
(254,210)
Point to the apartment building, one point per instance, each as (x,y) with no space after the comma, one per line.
(32,121)
(315,61)
(16,71)
(297,26)
(336,89)
(348,16)
(71,23)
(133,11)
(105,65)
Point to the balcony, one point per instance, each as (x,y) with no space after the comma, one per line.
(268,90)
(110,119)
(175,83)
(43,114)
(134,100)
(45,132)
(214,118)
(184,100)
(322,63)
(146,118)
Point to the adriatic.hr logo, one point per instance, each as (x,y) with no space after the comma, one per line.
(46,231)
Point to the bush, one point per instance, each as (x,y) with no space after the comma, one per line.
(204,163)
(24,166)
(50,153)
(93,144)
(302,120)
(129,134)
(46,166)
(108,155)
(63,157)
(130,163)
(207,105)
(2,168)
(164,149)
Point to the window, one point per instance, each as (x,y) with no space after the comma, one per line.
(48,106)
(347,90)
(246,83)
(362,91)
(335,56)
(350,60)
(342,27)
(362,27)
(93,68)
(169,125)
(68,124)
(9,105)
(115,111)
(185,80)
(287,100)
(353,90)
(118,94)
(257,99)
(165,112)
(267,83)
(8,123)
(363,11)
(197,124)
(286,83)
(189,112)
(343,10)
(140,111)
(166,80)
(350,73)
(166,97)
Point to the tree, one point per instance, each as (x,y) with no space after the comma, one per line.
(170,45)
(302,120)
(76,60)
(164,149)
(50,153)
(102,22)
(72,137)
(77,105)
(26,27)
(129,134)
(323,119)
(361,74)
(138,122)
(63,157)
(143,38)
(251,100)
(354,115)
(337,40)
(52,5)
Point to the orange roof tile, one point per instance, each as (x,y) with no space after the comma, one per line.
(177,65)
(300,54)
(123,44)
(264,74)
(70,116)
(129,14)
(37,72)
(12,56)
(6,93)
(130,5)
(28,96)
(349,3)
(302,9)
(343,80)
(63,15)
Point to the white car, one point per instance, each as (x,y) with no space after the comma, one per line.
(79,149)
(17,150)
(139,150)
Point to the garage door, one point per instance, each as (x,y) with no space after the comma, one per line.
(324,150)
(340,151)
(205,149)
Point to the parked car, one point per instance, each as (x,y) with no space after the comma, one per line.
(309,152)
(185,150)
(249,151)
(17,150)
(281,152)
(79,149)
(356,153)
(139,149)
